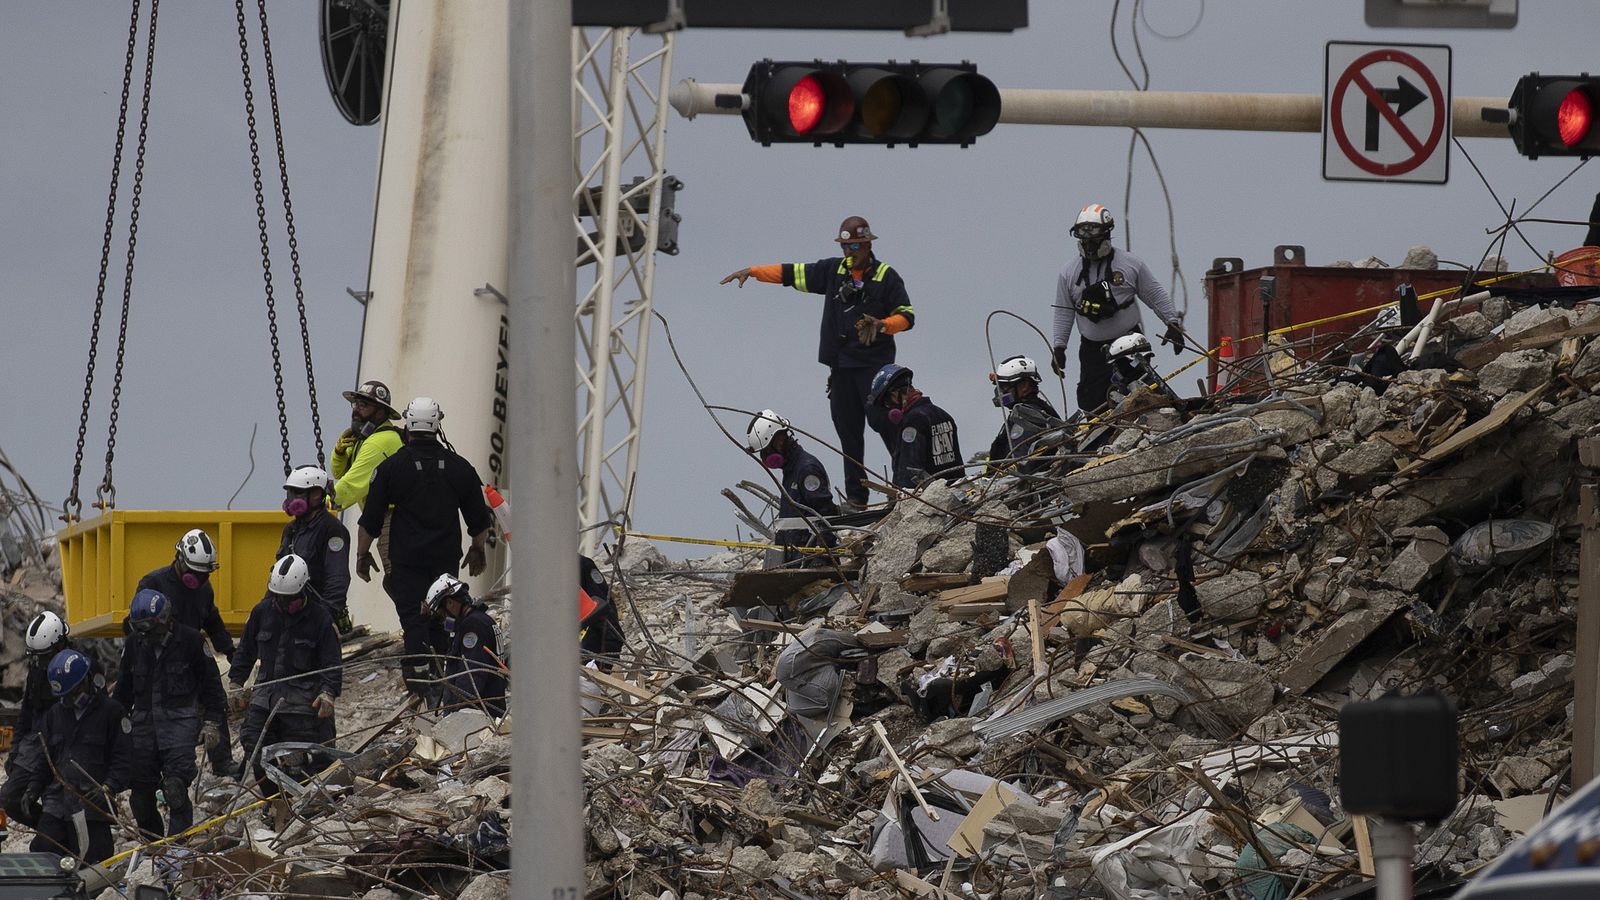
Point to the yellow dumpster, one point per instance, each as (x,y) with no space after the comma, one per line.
(102,560)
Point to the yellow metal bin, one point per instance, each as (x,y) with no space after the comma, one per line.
(102,560)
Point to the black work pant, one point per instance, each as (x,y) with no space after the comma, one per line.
(221,755)
(847,401)
(424,636)
(1094,374)
(258,731)
(58,836)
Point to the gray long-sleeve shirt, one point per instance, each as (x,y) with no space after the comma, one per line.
(1130,278)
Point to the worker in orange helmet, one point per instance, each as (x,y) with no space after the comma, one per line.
(865,305)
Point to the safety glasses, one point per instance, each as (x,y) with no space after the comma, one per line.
(854,245)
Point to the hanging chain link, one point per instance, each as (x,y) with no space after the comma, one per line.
(106,494)
(73,506)
(261,223)
(294,244)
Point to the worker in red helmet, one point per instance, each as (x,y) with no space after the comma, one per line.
(865,305)
(1095,292)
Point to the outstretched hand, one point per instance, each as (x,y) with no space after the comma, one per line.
(742,275)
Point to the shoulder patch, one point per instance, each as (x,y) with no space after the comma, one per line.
(594,577)
(813,483)
(1117,278)
(909,434)
(335,544)
(469,640)
(1016,431)
(127,725)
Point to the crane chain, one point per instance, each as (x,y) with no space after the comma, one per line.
(294,244)
(106,493)
(261,223)
(73,506)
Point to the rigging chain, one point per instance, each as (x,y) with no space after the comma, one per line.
(294,244)
(73,506)
(261,223)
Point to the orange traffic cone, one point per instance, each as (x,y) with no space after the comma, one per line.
(1224,363)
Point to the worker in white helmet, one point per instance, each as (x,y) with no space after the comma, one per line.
(317,536)
(807,496)
(1028,413)
(1095,293)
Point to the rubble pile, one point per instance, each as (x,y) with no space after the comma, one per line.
(1117,672)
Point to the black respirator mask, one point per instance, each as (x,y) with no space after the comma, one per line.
(1094,241)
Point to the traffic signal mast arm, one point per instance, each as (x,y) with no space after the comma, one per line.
(1135,109)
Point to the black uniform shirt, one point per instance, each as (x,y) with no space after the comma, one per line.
(324,543)
(472,671)
(86,751)
(925,444)
(881,293)
(288,645)
(171,677)
(196,608)
(1024,421)
(428,486)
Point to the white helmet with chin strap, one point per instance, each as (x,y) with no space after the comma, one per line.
(307,477)
(197,551)
(1093,231)
(1134,344)
(763,428)
(289,576)
(1016,368)
(423,414)
(44,632)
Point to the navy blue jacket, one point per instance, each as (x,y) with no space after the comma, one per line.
(472,673)
(196,608)
(1025,420)
(86,752)
(324,543)
(174,678)
(880,293)
(429,486)
(806,493)
(925,444)
(286,645)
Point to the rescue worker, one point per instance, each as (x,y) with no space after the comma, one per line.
(865,305)
(370,439)
(173,694)
(88,749)
(600,631)
(45,637)
(806,495)
(1028,412)
(926,444)
(1096,291)
(187,586)
(298,651)
(473,673)
(317,536)
(431,489)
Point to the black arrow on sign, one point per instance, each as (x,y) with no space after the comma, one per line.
(1404,95)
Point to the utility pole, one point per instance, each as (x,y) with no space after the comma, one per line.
(546,773)
(1135,109)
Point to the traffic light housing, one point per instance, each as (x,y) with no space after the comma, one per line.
(885,103)
(1556,115)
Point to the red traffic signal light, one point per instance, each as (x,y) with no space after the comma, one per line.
(868,103)
(1555,116)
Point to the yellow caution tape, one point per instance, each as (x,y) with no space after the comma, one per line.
(203,826)
(739,545)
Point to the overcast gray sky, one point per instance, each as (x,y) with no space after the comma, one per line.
(970,230)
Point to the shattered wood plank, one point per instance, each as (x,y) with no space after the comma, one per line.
(1363,845)
(967,612)
(884,640)
(925,582)
(991,588)
(778,587)
(617,684)
(1538,337)
(1475,432)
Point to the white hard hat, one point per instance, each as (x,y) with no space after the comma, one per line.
(1095,214)
(763,428)
(444,587)
(45,631)
(307,477)
(423,414)
(197,551)
(289,576)
(1016,368)
(1128,345)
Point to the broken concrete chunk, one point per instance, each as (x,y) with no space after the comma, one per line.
(1518,370)
(1419,561)
(487,887)
(1330,648)
(1470,326)
(1164,465)
(1232,597)
(1420,257)
(1533,320)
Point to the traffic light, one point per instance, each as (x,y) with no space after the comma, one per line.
(868,103)
(1554,115)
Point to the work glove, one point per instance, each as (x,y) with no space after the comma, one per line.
(867,330)
(343,623)
(239,700)
(346,443)
(210,734)
(1173,336)
(364,564)
(741,275)
(1058,360)
(323,705)
(827,387)
(32,808)
(475,560)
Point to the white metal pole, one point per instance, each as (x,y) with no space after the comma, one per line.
(1140,109)
(547,782)
(1392,850)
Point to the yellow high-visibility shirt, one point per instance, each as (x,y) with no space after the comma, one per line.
(355,475)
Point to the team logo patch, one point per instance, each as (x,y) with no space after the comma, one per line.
(845,235)
(909,434)
(813,483)
(594,577)
(469,640)
(55,686)
(1118,279)
(335,544)
(1016,432)
(127,725)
